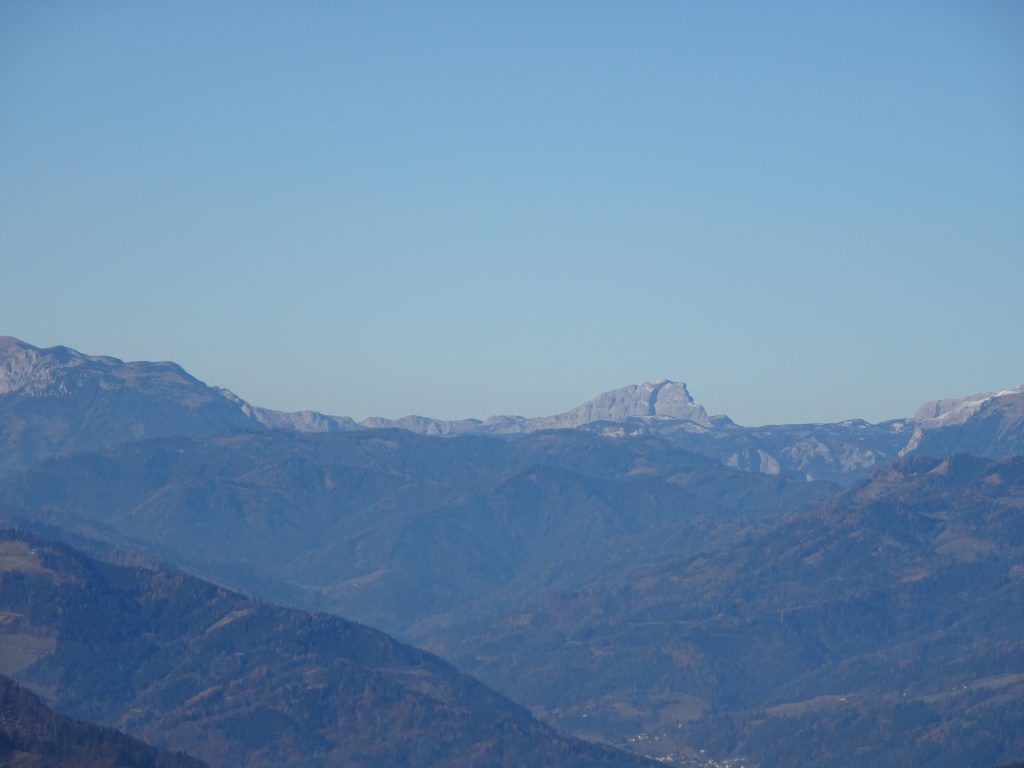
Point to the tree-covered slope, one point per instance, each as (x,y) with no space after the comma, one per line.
(884,626)
(186,665)
(393,528)
(34,736)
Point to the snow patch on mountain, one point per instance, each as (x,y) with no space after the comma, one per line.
(947,413)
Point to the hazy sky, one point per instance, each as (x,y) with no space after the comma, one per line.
(808,211)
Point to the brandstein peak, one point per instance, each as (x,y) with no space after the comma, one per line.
(661,399)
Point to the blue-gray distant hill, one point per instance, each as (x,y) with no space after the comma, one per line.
(244,684)
(394,528)
(618,588)
(882,626)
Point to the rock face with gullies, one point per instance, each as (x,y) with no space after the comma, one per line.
(30,371)
(662,399)
(654,400)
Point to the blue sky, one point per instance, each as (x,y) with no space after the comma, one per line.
(808,211)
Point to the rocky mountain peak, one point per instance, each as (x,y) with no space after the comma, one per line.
(54,371)
(952,411)
(33,371)
(660,399)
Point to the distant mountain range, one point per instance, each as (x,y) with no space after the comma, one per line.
(634,571)
(58,401)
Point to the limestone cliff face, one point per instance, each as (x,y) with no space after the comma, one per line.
(662,399)
(59,371)
(653,400)
(987,424)
(953,411)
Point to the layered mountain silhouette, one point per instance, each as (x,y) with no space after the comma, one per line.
(237,682)
(881,626)
(57,401)
(390,527)
(619,588)
(634,571)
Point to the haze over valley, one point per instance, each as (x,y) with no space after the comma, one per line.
(635,571)
(535,385)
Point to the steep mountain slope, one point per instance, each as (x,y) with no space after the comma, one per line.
(56,401)
(891,615)
(34,736)
(240,683)
(393,528)
(986,424)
